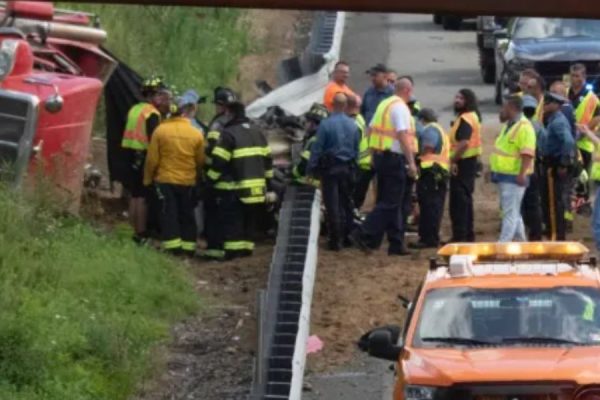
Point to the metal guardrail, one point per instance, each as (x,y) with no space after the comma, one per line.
(321,42)
(284,312)
(297,96)
(322,37)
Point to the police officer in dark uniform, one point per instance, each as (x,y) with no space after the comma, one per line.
(333,159)
(558,151)
(434,156)
(532,201)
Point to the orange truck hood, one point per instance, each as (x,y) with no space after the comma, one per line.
(444,367)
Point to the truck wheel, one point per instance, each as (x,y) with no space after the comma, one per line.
(451,23)
(437,19)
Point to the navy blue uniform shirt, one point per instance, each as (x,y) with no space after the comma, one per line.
(371,100)
(338,136)
(559,141)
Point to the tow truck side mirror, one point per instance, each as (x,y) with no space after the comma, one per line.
(404,301)
(382,343)
(501,34)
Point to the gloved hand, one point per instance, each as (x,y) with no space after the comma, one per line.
(584,177)
(271,197)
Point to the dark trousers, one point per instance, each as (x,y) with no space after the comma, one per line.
(386,218)
(363,181)
(532,208)
(432,197)
(407,201)
(238,222)
(213,231)
(337,196)
(462,186)
(176,217)
(583,190)
(553,199)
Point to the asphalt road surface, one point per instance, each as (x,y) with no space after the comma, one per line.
(441,63)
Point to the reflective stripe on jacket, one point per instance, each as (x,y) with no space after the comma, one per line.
(510,145)
(299,171)
(443,157)
(382,133)
(241,162)
(364,155)
(135,136)
(584,114)
(474,148)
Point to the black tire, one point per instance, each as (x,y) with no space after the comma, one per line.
(488,73)
(451,23)
(437,19)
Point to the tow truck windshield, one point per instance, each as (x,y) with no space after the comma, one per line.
(458,317)
(556,28)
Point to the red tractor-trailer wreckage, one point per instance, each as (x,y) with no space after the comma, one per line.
(52,73)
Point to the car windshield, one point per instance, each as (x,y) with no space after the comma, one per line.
(556,28)
(473,317)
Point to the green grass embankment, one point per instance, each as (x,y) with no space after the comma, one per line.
(81,312)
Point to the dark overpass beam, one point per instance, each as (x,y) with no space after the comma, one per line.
(557,8)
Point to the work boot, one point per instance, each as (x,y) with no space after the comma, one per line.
(334,246)
(356,239)
(421,246)
(402,252)
(141,239)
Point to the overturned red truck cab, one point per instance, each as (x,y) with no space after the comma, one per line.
(52,72)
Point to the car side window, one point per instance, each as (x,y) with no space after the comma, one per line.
(410,312)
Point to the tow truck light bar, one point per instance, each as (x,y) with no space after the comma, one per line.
(563,251)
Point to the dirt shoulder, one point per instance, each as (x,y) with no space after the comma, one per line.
(211,355)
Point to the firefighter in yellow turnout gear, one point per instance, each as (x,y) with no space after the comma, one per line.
(434,154)
(240,174)
(175,156)
(316,114)
(142,120)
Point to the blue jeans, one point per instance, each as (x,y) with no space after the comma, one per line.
(596,218)
(511,198)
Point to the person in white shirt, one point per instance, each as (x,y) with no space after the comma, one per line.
(392,144)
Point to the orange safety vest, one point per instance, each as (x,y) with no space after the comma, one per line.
(443,157)
(474,148)
(382,133)
(135,136)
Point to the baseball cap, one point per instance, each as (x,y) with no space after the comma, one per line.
(529,102)
(189,97)
(550,97)
(427,114)
(379,68)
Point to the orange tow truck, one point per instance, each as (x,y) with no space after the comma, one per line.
(495,321)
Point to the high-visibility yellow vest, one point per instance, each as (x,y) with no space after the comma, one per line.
(474,148)
(135,136)
(382,133)
(584,115)
(364,156)
(596,165)
(510,145)
(414,139)
(443,157)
